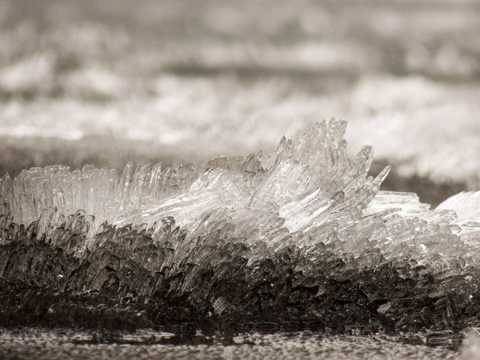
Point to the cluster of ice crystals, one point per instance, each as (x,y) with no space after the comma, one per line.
(306,204)
(302,188)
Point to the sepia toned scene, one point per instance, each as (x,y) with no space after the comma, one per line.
(256,179)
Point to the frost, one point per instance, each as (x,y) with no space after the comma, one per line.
(302,234)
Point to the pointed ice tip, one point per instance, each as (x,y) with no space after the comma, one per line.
(367,150)
(381,177)
(334,123)
(282,143)
(319,127)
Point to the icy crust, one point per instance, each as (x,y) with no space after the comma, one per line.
(299,236)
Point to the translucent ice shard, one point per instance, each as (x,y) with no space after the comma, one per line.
(302,234)
(402,203)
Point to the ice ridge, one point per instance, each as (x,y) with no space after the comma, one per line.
(300,235)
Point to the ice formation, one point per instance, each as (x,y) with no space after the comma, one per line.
(299,236)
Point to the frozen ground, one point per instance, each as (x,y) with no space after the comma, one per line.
(22,343)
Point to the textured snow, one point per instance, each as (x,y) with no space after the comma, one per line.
(465,204)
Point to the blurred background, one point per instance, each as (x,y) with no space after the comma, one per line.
(105,82)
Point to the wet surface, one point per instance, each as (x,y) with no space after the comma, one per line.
(24,343)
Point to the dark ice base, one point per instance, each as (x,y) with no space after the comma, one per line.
(45,285)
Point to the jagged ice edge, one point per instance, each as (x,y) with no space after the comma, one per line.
(306,192)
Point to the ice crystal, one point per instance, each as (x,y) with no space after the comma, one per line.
(299,235)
